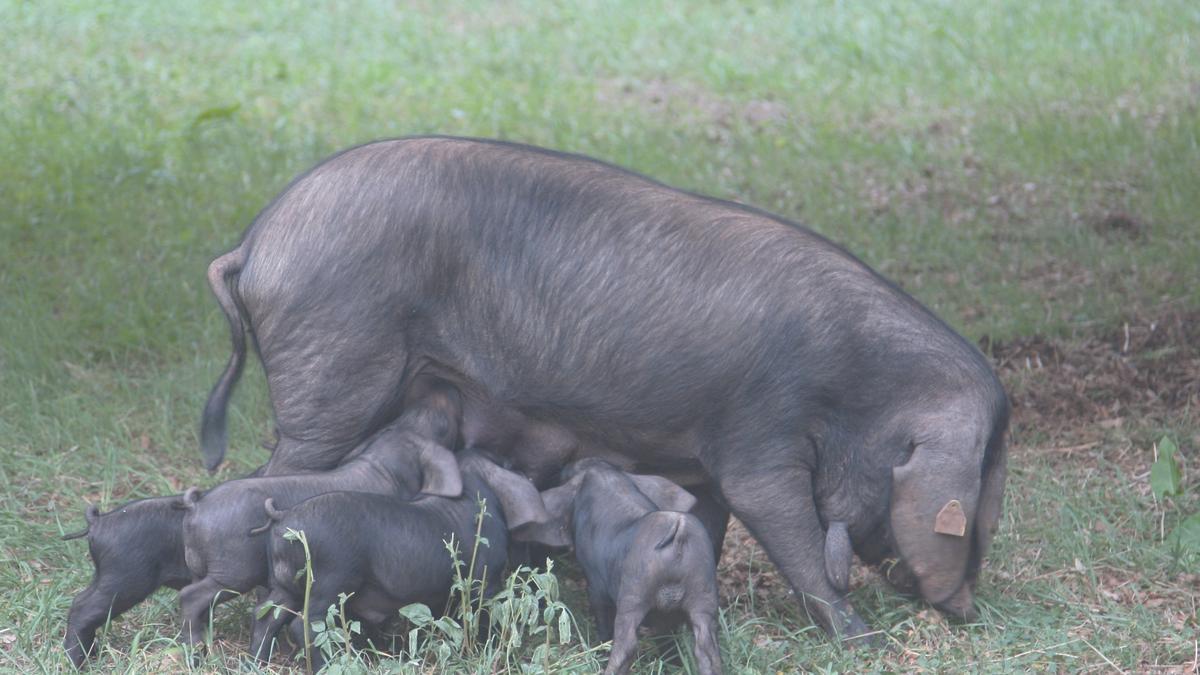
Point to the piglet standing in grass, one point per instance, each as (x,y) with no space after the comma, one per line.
(223,533)
(385,552)
(646,561)
(136,549)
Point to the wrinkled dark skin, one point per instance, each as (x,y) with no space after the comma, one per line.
(583,311)
(226,552)
(136,549)
(645,558)
(389,552)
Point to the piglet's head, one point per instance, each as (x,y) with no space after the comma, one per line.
(520,501)
(615,485)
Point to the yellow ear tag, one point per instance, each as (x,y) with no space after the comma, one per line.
(951,519)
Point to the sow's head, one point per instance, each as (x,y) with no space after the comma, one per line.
(945,507)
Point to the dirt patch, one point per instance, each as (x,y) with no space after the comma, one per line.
(744,568)
(691,103)
(1119,224)
(1147,369)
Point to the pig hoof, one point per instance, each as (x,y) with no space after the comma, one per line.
(858,635)
(193,657)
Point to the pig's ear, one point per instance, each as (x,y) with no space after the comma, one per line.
(667,496)
(518,497)
(559,503)
(439,471)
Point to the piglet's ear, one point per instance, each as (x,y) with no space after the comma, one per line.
(667,496)
(559,503)
(439,471)
(518,497)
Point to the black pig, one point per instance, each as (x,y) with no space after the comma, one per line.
(136,549)
(389,552)
(585,310)
(223,533)
(646,561)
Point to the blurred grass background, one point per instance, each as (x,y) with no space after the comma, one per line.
(1022,168)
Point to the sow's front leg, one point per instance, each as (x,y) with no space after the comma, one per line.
(775,502)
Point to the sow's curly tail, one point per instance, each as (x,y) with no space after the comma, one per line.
(222,274)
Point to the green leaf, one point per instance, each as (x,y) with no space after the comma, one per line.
(417,613)
(1186,534)
(1165,477)
(1166,447)
(564,627)
(451,630)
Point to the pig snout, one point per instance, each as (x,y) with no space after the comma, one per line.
(960,606)
(897,573)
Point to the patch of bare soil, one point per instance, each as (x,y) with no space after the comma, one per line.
(1147,369)
(745,568)
(692,103)
(1116,224)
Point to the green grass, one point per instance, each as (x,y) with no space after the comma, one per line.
(970,151)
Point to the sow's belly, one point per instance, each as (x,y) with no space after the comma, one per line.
(540,448)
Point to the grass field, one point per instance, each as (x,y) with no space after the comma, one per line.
(1031,171)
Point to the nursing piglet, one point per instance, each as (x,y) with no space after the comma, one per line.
(646,561)
(386,552)
(136,549)
(224,532)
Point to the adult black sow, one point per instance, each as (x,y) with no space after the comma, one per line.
(699,339)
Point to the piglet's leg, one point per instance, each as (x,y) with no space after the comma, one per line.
(196,601)
(625,641)
(325,595)
(108,597)
(89,611)
(602,611)
(707,649)
(279,607)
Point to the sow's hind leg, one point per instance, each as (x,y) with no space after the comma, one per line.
(774,500)
(332,382)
